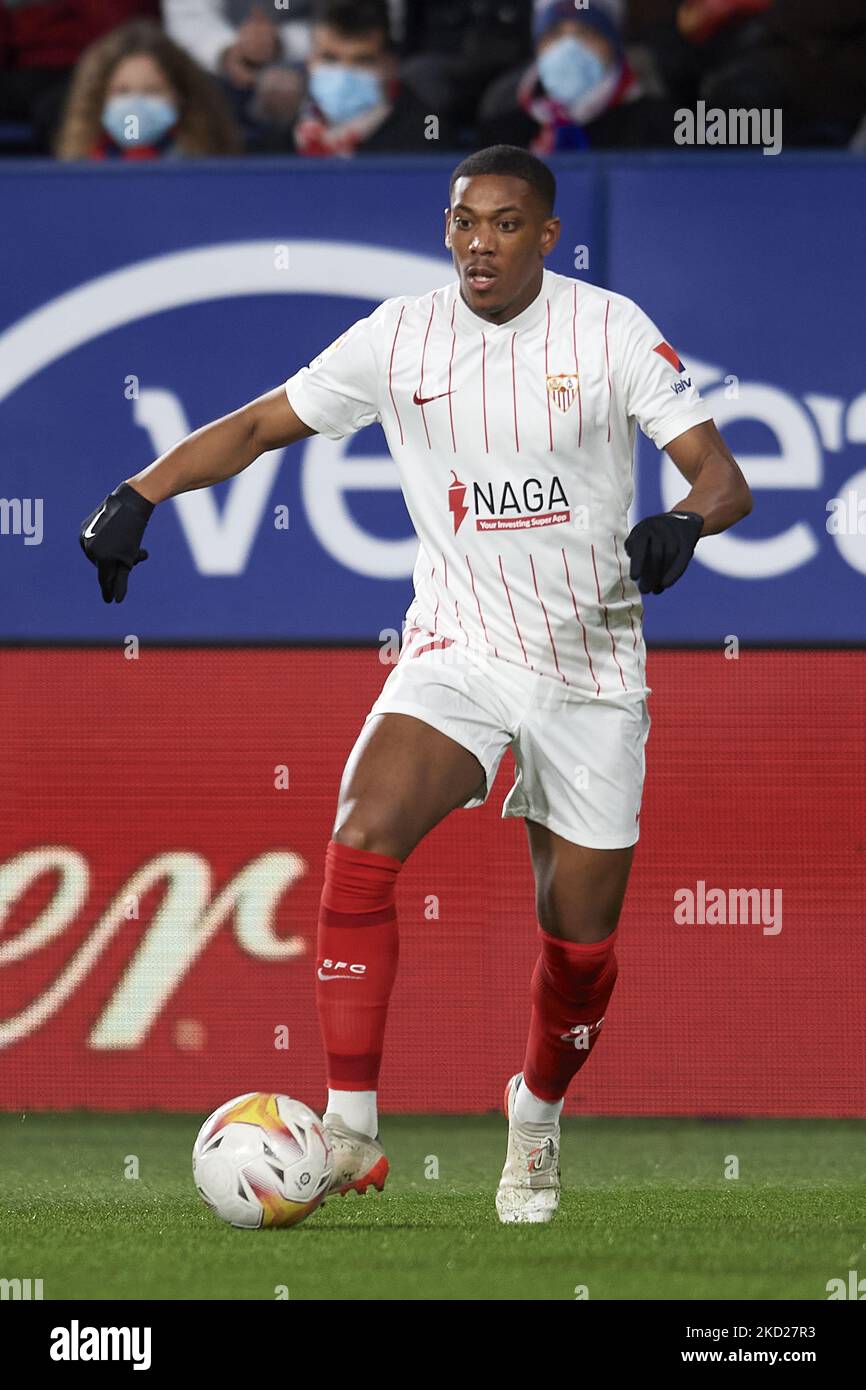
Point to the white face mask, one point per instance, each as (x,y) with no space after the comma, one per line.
(134,118)
(342,93)
(570,70)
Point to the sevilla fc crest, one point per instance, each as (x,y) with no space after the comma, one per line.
(562,390)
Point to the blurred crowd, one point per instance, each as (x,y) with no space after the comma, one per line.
(149,79)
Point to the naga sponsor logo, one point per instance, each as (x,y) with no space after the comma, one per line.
(509,506)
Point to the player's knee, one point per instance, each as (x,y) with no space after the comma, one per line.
(575,921)
(370,832)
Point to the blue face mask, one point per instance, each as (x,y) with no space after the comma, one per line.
(153,118)
(341,93)
(569,70)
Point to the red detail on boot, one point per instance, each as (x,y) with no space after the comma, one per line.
(356,962)
(571,985)
(374,1178)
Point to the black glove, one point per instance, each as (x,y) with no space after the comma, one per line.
(111,538)
(660,548)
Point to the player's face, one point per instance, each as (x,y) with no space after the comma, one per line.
(498,232)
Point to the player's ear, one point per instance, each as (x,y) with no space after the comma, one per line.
(550,235)
(448,228)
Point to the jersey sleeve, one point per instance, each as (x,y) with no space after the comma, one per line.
(658,389)
(338,393)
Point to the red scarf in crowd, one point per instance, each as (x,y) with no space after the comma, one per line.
(556,121)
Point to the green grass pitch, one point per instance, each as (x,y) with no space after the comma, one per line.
(647,1213)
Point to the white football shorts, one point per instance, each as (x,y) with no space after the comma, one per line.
(580,759)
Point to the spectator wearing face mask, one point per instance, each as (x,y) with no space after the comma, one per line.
(135,95)
(355,102)
(580,93)
(41,42)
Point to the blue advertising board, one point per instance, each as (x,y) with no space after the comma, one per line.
(139,305)
(757,275)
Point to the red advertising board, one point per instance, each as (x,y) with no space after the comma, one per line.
(159,885)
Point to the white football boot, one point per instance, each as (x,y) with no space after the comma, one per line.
(529,1186)
(359,1161)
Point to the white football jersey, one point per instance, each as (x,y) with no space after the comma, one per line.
(514,444)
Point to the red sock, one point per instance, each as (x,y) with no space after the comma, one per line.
(356,963)
(571,985)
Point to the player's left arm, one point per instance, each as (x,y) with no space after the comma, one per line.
(661,546)
(659,394)
(719,492)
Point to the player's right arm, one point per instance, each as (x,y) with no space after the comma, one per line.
(111,535)
(223,448)
(339,392)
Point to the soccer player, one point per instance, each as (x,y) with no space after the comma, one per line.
(509,399)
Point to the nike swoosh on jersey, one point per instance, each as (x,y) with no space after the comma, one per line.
(425,400)
(322,976)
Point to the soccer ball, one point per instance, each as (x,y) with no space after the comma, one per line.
(262,1160)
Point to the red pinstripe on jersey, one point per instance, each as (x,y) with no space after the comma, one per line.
(423,356)
(607,366)
(450,362)
(513,615)
(546,370)
(580,620)
(607,625)
(478,602)
(456,604)
(484,389)
(622,591)
(641,664)
(439,644)
(576,368)
(514,392)
(546,619)
(412,632)
(390,372)
(436,610)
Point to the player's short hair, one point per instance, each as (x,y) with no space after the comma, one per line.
(352,17)
(509,159)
